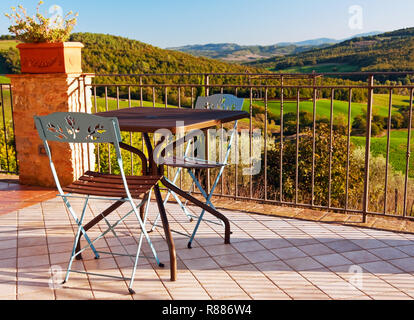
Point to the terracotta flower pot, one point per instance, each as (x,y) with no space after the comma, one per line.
(63,57)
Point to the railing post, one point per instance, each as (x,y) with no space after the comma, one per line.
(206,84)
(368,148)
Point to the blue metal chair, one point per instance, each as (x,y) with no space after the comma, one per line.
(190,163)
(73,127)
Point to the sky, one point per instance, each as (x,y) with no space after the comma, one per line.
(169,23)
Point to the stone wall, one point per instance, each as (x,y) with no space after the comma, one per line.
(41,94)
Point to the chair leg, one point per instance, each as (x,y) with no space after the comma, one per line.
(79,223)
(182,206)
(94,221)
(208,202)
(131,282)
(202,205)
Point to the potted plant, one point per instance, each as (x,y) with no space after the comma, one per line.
(44,49)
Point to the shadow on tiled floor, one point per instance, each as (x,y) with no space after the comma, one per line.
(268,258)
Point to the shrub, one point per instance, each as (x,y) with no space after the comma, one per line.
(39,28)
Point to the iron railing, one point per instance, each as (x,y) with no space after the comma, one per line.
(310,164)
(346,185)
(8,159)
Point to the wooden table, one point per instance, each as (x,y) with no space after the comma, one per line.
(148,120)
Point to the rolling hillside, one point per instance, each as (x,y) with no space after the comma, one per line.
(112,54)
(232,52)
(390,51)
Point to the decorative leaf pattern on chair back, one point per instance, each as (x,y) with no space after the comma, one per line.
(220,101)
(78,127)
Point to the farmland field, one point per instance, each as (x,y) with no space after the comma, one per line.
(6,44)
(323,106)
(320,68)
(398,148)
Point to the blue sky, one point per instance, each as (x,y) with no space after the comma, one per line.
(166,23)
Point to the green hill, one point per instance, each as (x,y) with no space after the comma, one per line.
(390,51)
(112,54)
(231,52)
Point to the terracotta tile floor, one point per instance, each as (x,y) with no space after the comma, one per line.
(270,257)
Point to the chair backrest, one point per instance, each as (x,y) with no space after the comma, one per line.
(77,127)
(220,101)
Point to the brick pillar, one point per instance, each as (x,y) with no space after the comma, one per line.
(41,94)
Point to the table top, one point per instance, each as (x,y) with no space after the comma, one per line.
(148,119)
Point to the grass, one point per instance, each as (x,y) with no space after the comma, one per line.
(3,79)
(6,110)
(398,148)
(6,44)
(323,106)
(112,104)
(320,68)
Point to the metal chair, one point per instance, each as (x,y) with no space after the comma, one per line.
(191,163)
(73,127)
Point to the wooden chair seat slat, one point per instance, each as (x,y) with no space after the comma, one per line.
(115,176)
(100,184)
(112,181)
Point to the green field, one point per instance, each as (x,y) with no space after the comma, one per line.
(323,106)
(398,148)
(112,104)
(320,68)
(6,44)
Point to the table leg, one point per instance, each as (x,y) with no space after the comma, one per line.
(154,169)
(168,235)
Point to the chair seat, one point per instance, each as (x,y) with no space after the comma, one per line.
(191,163)
(101,184)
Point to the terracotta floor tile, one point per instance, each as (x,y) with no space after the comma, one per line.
(361,256)
(260,256)
(275,243)
(231,260)
(33,261)
(45,294)
(221,249)
(32,251)
(288,253)
(380,267)
(248,246)
(201,264)
(304,263)
(405,264)
(388,253)
(193,253)
(8,244)
(343,246)
(7,289)
(333,259)
(8,253)
(316,249)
